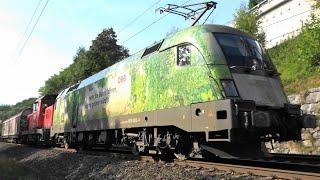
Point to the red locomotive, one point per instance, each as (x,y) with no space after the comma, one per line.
(39,121)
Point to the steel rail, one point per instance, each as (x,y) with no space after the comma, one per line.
(277,173)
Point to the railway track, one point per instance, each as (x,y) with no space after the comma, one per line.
(301,158)
(270,172)
(279,166)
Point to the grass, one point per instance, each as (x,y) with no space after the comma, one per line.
(300,86)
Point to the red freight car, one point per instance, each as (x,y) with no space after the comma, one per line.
(39,123)
(12,127)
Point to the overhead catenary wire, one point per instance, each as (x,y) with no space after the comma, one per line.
(143,29)
(33,27)
(140,15)
(27,27)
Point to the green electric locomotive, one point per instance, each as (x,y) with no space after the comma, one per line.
(206,88)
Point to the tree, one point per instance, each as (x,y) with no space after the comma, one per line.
(105,50)
(103,53)
(81,54)
(7,111)
(248,22)
(173,30)
(253,3)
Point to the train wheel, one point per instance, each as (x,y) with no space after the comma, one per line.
(183,148)
(135,150)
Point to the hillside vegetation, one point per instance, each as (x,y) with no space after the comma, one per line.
(298,58)
(103,53)
(6,111)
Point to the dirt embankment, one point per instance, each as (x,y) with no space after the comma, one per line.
(22,162)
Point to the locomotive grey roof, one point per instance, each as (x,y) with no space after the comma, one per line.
(225,29)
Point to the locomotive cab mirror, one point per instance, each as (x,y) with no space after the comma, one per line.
(184,55)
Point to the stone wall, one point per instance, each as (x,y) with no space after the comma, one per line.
(310,104)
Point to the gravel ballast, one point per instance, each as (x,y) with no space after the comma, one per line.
(40,163)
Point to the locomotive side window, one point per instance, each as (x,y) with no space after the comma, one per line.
(35,107)
(184,55)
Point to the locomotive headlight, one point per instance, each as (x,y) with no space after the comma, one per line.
(229,88)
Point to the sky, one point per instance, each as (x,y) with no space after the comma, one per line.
(66,25)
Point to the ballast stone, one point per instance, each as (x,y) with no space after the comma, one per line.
(307,143)
(311,108)
(294,99)
(313,97)
(316,135)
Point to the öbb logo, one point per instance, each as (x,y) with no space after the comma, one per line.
(121,79)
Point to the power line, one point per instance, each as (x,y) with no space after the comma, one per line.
(25,43)
(135,19)
(143,29)
(140,31)
(27,27)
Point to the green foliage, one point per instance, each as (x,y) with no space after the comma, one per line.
(173,30)
(6,111)
(103,53)
(248,22)
(253,3)
(298,59)
(105,50)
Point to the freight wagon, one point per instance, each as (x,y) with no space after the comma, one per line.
(14,126)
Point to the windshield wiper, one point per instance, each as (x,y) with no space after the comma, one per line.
(250,69)
(245,68)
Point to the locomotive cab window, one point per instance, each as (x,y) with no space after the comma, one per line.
(242,51)
(184,55)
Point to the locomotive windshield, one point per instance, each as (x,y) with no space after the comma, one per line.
(241,51)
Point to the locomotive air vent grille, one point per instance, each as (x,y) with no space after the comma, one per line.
(152,49)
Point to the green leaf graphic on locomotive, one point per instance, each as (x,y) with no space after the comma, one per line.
(156,81)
